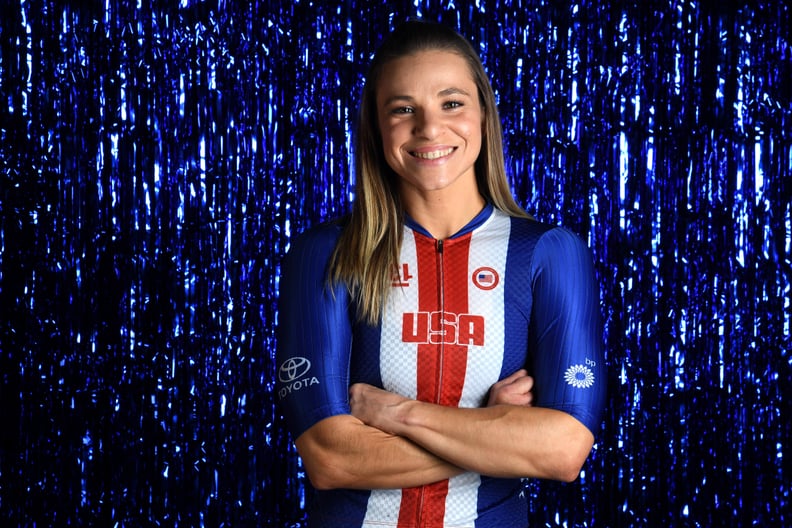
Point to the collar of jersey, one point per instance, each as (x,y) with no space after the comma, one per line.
(477,220)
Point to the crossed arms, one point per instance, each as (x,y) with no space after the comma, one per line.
(389,441)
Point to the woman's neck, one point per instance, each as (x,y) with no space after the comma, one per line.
(444,217)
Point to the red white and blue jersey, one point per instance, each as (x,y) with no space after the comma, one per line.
(503,294)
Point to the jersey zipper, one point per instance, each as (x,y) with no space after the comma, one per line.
(441,307)
(441,301)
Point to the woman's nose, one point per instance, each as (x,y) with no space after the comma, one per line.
(427,124)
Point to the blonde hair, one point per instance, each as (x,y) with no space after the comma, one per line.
(367,254)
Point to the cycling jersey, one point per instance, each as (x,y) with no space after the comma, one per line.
(503,293)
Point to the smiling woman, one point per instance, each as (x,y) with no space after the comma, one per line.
(438,345)
(431,124)
(369,248)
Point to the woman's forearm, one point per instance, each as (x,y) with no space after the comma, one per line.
(498,441)
(501,441)
(342,452)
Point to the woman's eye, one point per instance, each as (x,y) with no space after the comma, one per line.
(453,104)
(402,110)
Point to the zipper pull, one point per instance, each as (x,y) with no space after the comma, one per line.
(439,246)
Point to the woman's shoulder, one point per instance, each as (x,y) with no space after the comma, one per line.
(542,228)
(549,240)
(318,239)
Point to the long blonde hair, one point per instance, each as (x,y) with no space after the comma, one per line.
(367,254)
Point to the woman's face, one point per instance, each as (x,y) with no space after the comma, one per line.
(431,121)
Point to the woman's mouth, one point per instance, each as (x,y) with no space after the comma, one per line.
(432,154)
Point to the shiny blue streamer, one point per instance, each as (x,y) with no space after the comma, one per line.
(157,158)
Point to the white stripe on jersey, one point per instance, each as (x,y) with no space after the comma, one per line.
(399,371)
(399,360)
(488,248)
(462,499)
(383,508)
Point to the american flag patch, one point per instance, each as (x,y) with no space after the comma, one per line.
(486,278)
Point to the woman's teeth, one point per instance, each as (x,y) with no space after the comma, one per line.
(433,154)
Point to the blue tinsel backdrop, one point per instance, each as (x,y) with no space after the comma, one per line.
(157,158)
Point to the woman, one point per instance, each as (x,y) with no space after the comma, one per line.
(406,329)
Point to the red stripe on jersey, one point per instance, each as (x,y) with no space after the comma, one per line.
(455,301)
(410,507)
(442,363)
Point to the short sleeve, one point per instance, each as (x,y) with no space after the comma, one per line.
(314,334)
(566,334)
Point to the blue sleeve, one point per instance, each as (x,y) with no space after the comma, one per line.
(566,334)
(314,334)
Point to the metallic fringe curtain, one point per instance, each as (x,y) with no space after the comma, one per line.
(157,157)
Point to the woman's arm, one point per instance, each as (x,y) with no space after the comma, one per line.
(498,441)
(343,452)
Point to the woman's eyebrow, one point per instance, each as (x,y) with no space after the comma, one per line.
(442,93)
(452,91)
(398,98)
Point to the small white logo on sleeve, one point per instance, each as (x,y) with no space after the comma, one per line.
(579,376)
(293,368)
(293,373)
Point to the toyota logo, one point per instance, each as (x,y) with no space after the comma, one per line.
(293,368)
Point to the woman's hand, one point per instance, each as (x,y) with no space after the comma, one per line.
(375,407)
(512,390)
(509,438)
(383,410)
